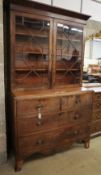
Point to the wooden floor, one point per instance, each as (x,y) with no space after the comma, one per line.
(76,161)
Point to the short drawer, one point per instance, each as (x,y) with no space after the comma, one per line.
(77,102)
(96,127)
(77,116)
(42,141)
(38,105)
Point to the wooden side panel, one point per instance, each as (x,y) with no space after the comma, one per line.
(96,117)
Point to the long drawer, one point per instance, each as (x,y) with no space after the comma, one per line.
(49,140)
(33,124)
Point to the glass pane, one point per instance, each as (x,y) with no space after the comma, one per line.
(68,54)
(32,52)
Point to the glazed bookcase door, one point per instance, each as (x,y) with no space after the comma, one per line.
(68,54)
(32,53)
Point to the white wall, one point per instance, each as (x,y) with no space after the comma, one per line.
(88,6)
(92,52)
(87,49)
(68,4)
(92,8)
(96,51)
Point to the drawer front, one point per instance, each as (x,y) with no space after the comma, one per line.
(38,105)
(36,124)
(96,115)
(97,96)
(77,102)
(77,116)
(96,127)
(42,141)
(30,125)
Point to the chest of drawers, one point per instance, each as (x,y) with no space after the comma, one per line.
(49,123)
(96,117)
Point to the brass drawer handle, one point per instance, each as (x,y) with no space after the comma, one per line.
(39,123)
(39,106)
(98,105)
(68,133)
(39,115)
(76,116)
(98,116)
(77,100)
(40,142)
(61,113)
(76,132)
(72,133)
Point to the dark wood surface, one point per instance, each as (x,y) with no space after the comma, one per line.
(96,120)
